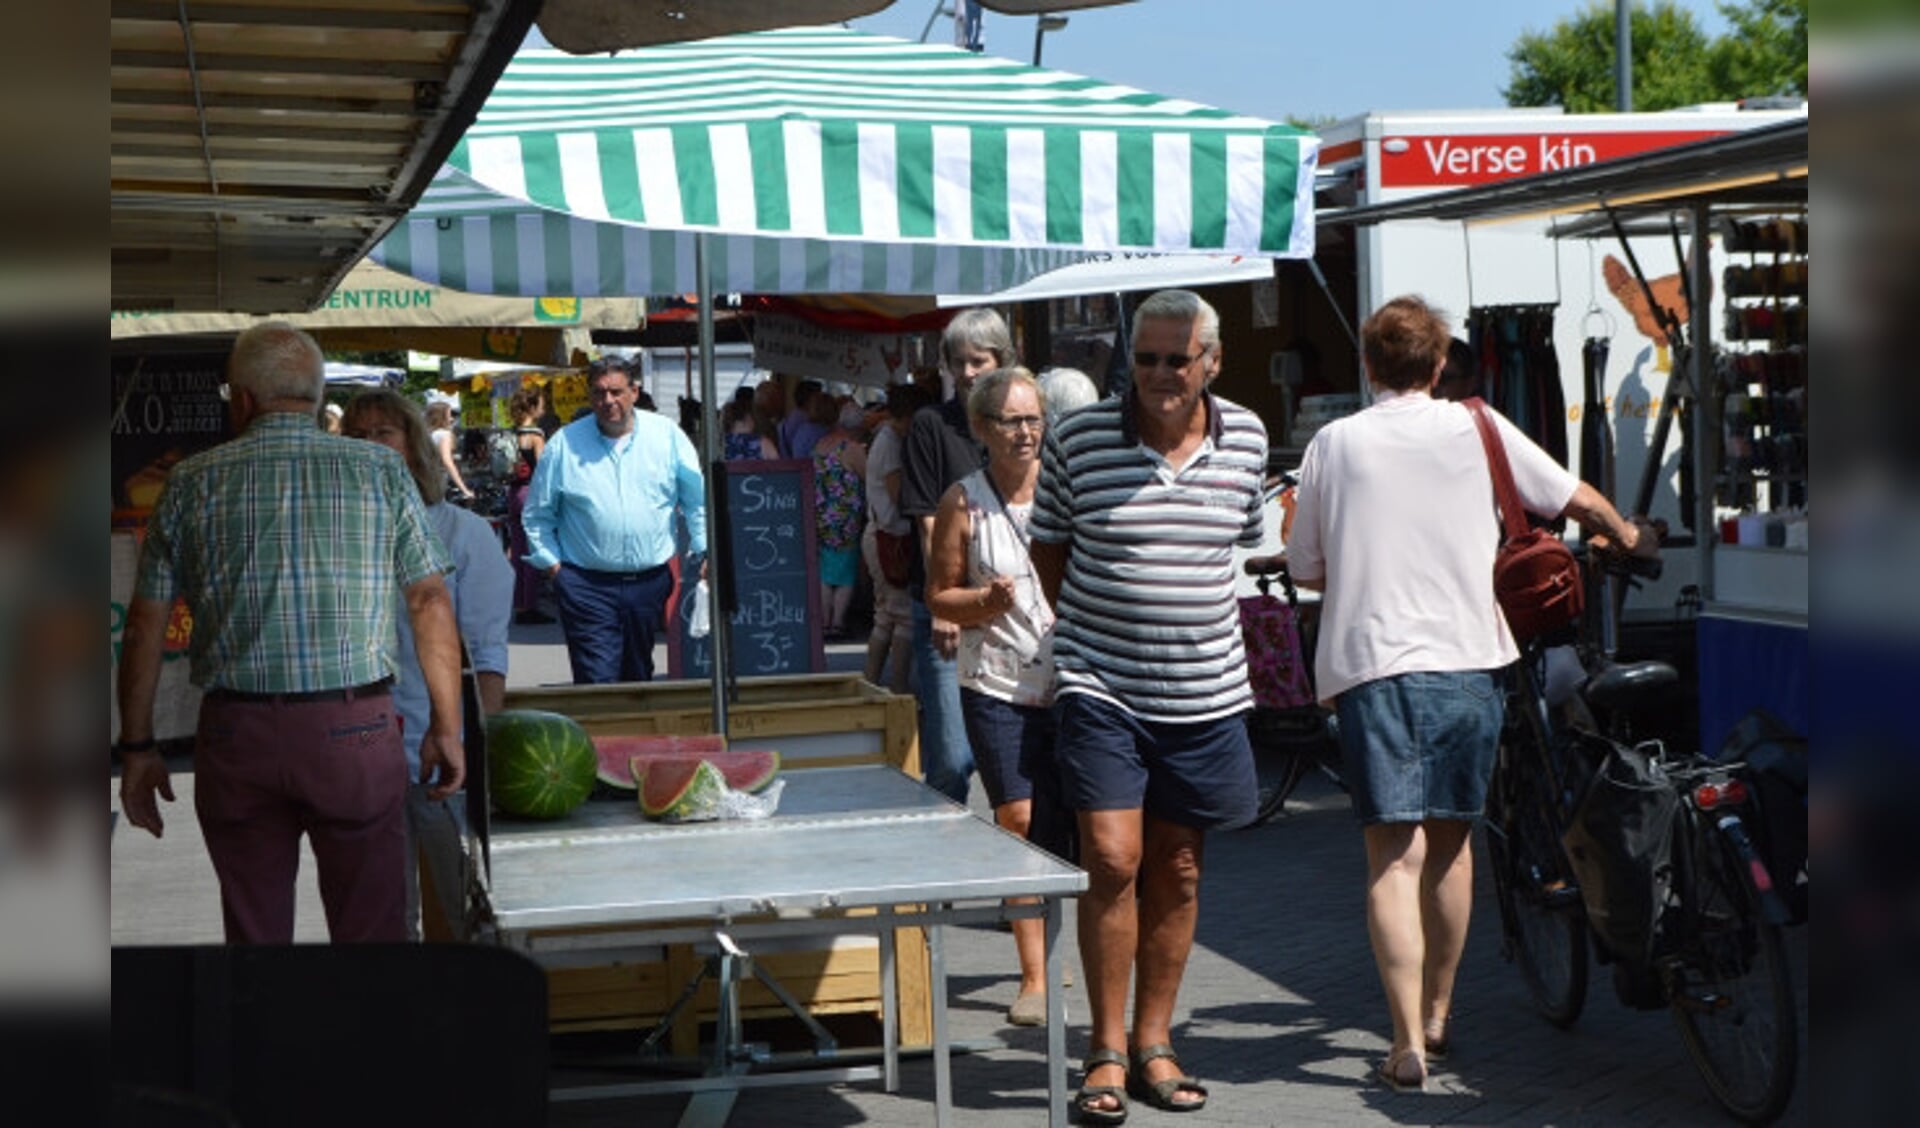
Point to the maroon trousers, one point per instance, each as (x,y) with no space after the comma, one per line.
(264,774)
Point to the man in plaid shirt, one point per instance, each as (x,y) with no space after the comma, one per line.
(287,545)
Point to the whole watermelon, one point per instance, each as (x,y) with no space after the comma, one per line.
(540,765)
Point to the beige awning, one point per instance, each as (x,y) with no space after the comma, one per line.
(377,309)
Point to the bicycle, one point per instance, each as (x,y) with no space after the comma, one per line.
(1696,929)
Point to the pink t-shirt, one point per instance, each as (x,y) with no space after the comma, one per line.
(1395,513)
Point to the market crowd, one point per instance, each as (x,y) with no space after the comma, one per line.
(1052,575)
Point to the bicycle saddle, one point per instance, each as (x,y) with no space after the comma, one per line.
(1620,686)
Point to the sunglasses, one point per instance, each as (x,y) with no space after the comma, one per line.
(1175,361)
(1009,424)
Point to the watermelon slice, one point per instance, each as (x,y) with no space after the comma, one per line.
(681,790)
(617,752)
(744,769)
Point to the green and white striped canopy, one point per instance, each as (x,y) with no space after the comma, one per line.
(466,238)
(839,157)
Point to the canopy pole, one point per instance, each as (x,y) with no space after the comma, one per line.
(722,631)
(1705,415)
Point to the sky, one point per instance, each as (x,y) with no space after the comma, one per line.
(1274,58)
(1310,59)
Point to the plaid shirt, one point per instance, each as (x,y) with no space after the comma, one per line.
(288,545)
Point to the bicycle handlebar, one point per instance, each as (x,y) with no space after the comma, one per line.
(1614,561)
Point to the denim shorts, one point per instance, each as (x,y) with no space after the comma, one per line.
(1197,775)
(1420,746)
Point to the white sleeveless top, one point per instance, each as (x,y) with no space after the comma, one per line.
(1011,656)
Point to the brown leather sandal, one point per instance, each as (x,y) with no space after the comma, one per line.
(1084,1100)
(1160,1094)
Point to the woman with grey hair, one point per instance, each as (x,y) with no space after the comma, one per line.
(980,577)
(939,450)
(1065,389)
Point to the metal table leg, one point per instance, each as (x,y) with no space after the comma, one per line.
(889,1006)
(942,1050)
(1056,1016)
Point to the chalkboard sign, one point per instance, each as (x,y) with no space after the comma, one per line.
(165,407)
(772,561)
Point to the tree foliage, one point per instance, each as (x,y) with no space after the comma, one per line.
(1766,53)
(1674,62)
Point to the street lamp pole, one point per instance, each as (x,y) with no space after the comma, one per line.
(1041,26)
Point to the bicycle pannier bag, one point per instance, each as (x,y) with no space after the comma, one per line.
(1276,667)
(1620,845)
(1535,577)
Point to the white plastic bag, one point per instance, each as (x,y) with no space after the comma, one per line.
(702,619)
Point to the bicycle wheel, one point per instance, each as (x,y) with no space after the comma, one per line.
(1299,743)
(1540,912)
(1729,987)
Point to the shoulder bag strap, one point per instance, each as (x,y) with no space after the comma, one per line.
(1504,492)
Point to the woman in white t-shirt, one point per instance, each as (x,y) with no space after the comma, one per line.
(1395,520)
(980,576)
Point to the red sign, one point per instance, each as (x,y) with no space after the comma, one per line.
(1456,161)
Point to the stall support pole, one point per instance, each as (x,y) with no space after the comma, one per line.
(722,633)
(1706,403)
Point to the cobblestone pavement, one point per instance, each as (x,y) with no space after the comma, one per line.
(1281,1015)
(1280,1012)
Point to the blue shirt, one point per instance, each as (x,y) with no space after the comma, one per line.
(608,504)
(481,585)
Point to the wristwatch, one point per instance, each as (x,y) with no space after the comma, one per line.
(122,747)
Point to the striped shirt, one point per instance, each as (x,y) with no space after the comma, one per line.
(288,545)
(1148,619)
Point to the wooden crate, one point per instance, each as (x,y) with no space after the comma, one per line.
(814,721)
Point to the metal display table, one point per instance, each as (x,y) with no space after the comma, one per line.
(858,838)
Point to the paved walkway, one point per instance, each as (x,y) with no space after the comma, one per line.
(1280,1012)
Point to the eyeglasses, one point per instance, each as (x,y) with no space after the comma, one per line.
(1011,424)
(1175,361)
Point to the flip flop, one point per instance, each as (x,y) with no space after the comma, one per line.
(1160,1093)
(1083,1101)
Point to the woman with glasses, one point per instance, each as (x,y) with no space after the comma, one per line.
(979,577)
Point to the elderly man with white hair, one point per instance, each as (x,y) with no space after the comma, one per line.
(292,548)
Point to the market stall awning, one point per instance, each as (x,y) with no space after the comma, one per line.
(259,148)
(1762,167)
(466,237)
(816,136)
(373,297)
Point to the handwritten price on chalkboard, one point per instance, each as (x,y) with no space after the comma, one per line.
(764,548)
(775,649)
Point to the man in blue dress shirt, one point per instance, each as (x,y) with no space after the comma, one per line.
(600,522)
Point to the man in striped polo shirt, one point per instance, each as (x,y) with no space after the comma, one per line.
(1142,501)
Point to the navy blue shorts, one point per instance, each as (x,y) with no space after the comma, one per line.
(998,731)
(1420,746)
(1197,775)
